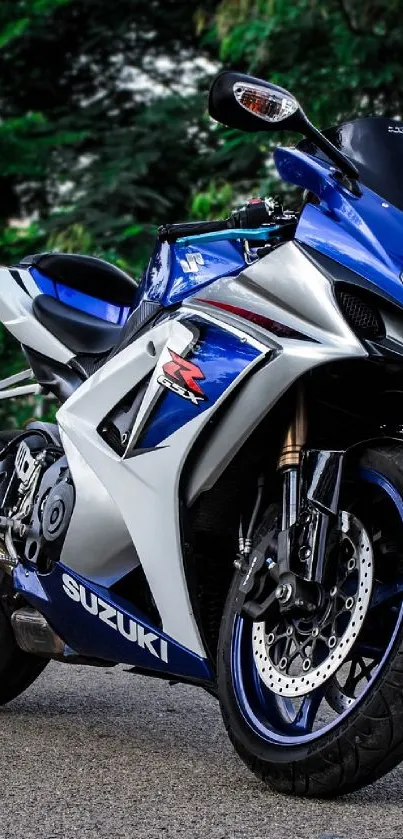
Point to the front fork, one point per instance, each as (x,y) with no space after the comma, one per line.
(289,463)
(311,488)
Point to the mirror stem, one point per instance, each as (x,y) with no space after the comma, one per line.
(336,156)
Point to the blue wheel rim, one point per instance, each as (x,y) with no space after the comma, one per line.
(272,717)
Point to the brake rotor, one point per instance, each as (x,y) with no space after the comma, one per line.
(296,656)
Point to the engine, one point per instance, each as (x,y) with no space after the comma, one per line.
(37,499)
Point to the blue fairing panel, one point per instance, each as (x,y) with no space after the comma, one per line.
(79,300)
(364,232)
(96,623)
(221,356)
(176,271)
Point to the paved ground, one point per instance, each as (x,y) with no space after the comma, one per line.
(101,753)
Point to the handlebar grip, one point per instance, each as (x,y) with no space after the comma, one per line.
(171,232)
(254,214)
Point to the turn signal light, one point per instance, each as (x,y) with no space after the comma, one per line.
(269,104)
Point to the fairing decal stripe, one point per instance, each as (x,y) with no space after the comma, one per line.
(279,329)
(222,357)
(17,277)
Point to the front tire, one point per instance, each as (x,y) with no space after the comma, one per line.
(305,755)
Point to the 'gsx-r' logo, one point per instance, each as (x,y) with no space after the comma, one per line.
(179,375)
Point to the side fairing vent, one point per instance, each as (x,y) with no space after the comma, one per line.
(361,314)
(115,428)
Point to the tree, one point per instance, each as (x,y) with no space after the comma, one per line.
(101,126)
(98,127)
(340,58)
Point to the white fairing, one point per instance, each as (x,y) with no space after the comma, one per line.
(17,316)
(144,487)
(127,509)
(286,287)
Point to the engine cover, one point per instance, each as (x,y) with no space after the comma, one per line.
(57,511)
(51,514)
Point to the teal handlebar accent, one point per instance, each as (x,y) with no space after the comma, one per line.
(261,233)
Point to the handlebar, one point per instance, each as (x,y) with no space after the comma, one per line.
(171,232)
(254,214)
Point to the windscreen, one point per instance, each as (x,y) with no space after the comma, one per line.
(375,144)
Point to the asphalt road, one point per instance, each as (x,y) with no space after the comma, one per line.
(102,753)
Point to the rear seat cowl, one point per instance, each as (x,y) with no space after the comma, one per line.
(80,332)
(87,274)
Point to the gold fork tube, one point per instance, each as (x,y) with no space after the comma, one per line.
(296,435)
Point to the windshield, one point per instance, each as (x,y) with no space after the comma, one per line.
(375,144)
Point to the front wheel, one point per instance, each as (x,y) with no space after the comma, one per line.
(315,706)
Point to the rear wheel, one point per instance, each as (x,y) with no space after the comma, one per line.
(18,669)
(315,707)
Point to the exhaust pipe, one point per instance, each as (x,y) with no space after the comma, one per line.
(34,635)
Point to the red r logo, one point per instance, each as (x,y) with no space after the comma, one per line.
(184,372)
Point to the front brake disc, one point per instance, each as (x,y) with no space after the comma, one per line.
(295,657)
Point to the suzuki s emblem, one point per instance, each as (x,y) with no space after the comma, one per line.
(180,376)
(190,265)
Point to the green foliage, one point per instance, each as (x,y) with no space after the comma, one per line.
(16,242)
(100,141)
(215,201)
(18,15)
(341,58)
(77,239)
(103,127)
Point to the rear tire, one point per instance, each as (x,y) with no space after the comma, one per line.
(367,742)
(18,669)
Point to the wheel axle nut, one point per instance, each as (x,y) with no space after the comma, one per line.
(283,593)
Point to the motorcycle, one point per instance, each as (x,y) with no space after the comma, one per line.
(220,499)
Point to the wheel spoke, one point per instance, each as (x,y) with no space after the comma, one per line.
(351,681)
(308,710)
(359,669)
(382,592)
(366,650)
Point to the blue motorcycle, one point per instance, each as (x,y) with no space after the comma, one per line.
(220,500)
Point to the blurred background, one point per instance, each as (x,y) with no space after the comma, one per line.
(104,132)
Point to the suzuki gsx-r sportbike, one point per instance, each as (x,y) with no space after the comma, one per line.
(220,501)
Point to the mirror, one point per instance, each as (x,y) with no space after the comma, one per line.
(241,101)
(250,104)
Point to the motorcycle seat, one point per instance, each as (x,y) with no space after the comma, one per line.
(80,332)
(87,274)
